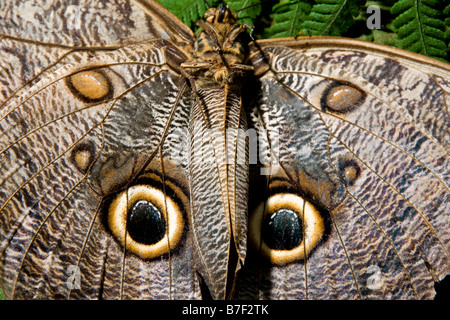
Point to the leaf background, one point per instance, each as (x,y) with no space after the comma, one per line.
(418,26)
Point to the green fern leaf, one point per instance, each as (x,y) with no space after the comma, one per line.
(420,27)
(447,24)
(330,17)
(188,11)
(287,18)
(247,10)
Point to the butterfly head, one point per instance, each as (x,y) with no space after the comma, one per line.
(223,14)
(219,53)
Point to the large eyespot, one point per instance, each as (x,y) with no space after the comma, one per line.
(286,228)
(342,98)
(90,85)
(145,221)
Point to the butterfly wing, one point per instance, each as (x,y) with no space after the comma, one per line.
(362,133)
(81,133)
(361,159)
(36,36)
(86,24)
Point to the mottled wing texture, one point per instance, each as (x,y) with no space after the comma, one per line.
(218,172)
(88,23)
(99,129)
(37,35)
(377,166)
(66,152)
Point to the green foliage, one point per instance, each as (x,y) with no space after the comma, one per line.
(188,11)
(287,18)
(447,24)
(330,17)
(247,10)
(420,27)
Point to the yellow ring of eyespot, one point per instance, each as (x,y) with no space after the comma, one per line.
(314,227)
(117,220)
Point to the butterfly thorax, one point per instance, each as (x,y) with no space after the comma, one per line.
(218,55)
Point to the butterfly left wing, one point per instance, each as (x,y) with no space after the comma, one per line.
(71,148)
(360,135)
(82,129)
(91,159)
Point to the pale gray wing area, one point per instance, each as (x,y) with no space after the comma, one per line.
(365,139)
(37,35)
(72,144)
(88,23)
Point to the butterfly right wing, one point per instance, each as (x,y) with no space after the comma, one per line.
(362,133)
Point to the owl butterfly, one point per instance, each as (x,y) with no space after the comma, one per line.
(140,161)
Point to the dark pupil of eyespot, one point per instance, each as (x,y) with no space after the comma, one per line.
(145,223)
(282,230)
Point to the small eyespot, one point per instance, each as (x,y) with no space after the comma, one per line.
(350,170)
(342,98)
(285,228)
(90,85)
(145,221)
(83,155)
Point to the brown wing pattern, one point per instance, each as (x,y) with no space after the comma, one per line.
(364,136)
(125,170)
(83,117)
